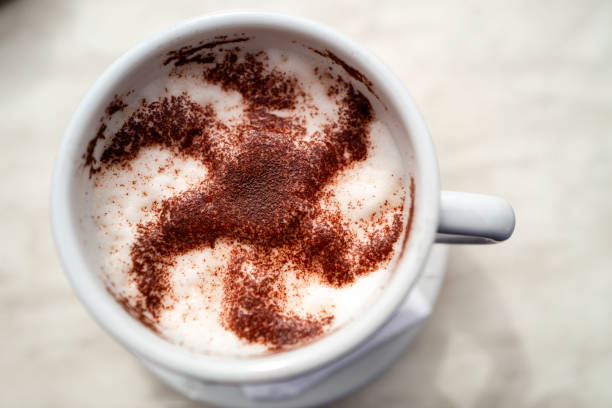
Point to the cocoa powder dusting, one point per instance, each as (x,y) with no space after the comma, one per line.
(115,106)
(186,55)
(408,228)
(89,161)
(253,311)
(352,71)
(264,196)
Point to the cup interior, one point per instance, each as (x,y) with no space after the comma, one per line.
(74,231)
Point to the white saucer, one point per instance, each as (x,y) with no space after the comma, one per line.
(340,384)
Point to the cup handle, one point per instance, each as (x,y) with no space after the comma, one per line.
(467,218)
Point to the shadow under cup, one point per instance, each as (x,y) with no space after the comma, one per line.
(71,191)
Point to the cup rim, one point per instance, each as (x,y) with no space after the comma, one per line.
(146,344)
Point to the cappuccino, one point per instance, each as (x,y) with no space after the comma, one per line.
(250,201)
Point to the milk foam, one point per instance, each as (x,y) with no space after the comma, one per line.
(123,198)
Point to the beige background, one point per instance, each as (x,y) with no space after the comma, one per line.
(518,98)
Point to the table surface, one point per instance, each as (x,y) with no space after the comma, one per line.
(517,98)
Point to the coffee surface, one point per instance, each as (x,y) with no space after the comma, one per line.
(249,202)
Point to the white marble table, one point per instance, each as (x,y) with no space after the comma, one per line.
(518,97)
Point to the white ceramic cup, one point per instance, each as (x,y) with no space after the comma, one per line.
(460,217)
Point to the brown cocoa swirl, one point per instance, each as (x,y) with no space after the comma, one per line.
(265,196)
